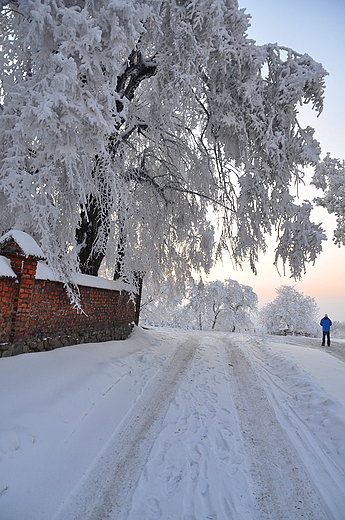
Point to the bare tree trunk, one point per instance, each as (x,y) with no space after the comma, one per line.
(140,279)
(95,216)
(90,258)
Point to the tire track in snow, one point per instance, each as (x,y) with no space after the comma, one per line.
(197,467)
(282,486)
(310,417)
(105,490)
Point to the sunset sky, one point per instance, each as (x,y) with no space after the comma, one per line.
(314,27)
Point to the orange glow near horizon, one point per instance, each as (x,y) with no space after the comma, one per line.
(325,281)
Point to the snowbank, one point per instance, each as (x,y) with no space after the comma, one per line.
(62,411)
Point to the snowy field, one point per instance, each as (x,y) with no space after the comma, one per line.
(175,425)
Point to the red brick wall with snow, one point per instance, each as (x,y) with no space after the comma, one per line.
(36,314)
(51,309)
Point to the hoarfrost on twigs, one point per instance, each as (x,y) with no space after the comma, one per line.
(127,125)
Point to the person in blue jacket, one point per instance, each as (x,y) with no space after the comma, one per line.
(326,330)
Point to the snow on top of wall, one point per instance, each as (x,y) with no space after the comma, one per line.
(5,267)
(101,283)
(26,243)
(44,272)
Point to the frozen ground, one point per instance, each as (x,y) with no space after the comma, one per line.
(175,425)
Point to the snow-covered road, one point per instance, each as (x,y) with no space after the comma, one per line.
(176,425)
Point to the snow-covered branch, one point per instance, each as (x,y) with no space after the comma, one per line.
(126,125)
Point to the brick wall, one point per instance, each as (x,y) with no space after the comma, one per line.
(51,310)
(6,297)
(36,315)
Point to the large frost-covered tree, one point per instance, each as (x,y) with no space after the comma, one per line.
(127,125)
(290,310)
(218,305)
(222,305)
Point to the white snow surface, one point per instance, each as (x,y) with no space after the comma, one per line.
(44,272)
(175,425)
(5,268)
(27,244)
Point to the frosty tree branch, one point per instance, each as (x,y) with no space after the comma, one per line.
(125,125)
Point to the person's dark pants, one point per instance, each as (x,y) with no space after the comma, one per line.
(324,336)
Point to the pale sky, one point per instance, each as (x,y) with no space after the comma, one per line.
(315,27)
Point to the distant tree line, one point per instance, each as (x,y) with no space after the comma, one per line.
(230,306)
(218,305)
